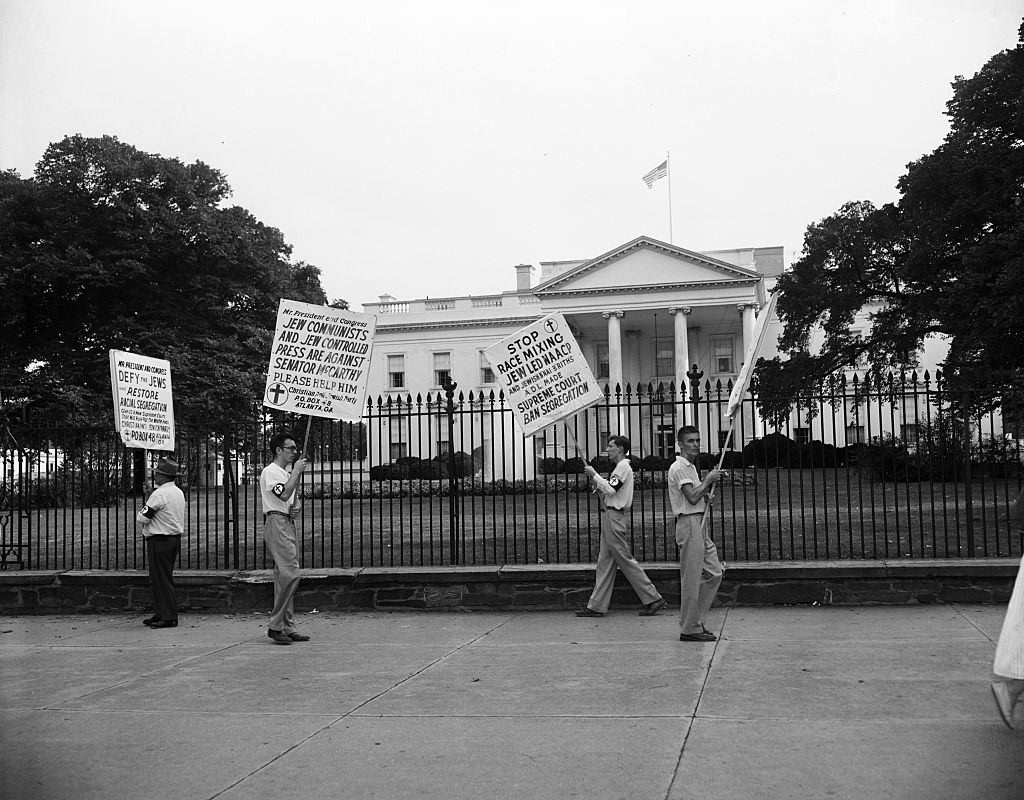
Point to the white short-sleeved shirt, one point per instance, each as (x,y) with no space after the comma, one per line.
(681,473)
(167,502)
(272,481)
(617,491)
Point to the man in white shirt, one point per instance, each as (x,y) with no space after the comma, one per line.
(163,523)
(700,571)
(616,499)
(278,493)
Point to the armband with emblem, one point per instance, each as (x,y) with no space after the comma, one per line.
(278,489)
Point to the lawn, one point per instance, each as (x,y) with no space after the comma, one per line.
(777,514)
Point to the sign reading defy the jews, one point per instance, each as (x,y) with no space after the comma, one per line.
(143,403)
(320,361)
(544,374)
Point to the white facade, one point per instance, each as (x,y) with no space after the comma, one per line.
(643,313)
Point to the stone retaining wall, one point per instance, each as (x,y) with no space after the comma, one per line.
(510,587)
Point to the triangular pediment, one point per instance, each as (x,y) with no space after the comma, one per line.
(646,263)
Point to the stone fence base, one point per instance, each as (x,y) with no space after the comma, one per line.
(512,587)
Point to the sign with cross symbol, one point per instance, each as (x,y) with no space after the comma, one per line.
(544,374)
(319,361)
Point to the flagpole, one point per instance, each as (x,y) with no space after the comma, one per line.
(721,460)
(668,172)
(305,442)
(743,382)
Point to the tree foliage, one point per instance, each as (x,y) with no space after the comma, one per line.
(947,259)
(110,247)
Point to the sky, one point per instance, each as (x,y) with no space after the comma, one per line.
(424,149)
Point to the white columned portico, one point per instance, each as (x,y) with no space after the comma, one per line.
(631,369)
(615,350)
(680,316)
(615,373)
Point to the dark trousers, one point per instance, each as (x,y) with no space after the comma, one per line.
(162,552)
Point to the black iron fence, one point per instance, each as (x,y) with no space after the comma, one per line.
(895,469)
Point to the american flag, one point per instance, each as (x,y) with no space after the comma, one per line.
(659,171)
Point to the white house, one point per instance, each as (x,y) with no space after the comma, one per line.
(643,313)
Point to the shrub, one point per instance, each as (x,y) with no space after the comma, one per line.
(430,471)
(390,472)
(733,460)
(771,451)
(605,465)
(574,465)
(551,466)
(655,463)
(465,466)
(887,458)
(812,454)
(66,487)
(997,456)
(434,469)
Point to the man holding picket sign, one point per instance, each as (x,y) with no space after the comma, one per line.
(616,499)
(279,493)
(547,380)
(319,366)
(700,570)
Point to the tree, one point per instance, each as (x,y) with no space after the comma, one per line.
(110,247)
(947,259)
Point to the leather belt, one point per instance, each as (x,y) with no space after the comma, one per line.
(278,513)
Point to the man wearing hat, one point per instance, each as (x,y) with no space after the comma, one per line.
(163,523)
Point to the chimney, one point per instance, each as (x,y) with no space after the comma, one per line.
(523,273)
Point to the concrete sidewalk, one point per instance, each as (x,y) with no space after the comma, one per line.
(792,702)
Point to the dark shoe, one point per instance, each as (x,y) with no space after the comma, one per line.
(165,623)
(703,636)
(150,620)
(587,611)
(279,637)
(295,636)
(650,609)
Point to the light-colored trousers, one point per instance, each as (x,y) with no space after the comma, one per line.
(700,572)
(279,536)
(614,553)
(1009,661)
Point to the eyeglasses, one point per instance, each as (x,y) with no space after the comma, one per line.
(293,447)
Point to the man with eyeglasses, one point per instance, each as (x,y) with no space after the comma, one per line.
(278,490)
